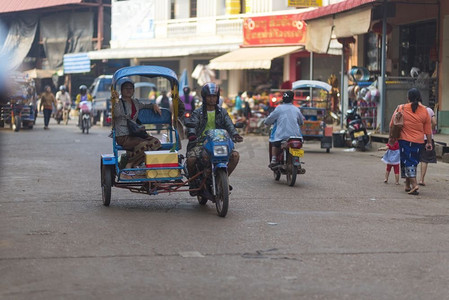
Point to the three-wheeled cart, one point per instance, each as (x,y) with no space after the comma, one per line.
(163,170)
(313,98)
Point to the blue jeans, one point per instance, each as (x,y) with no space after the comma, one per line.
(47,116)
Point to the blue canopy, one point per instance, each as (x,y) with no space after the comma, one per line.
(300,84)
(147,71)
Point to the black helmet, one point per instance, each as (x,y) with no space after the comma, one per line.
(209,89)
(83,88)
(186,90)
(287,97)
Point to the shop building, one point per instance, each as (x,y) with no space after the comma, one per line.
(413,53)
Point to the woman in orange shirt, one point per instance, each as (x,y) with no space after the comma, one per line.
(411,140)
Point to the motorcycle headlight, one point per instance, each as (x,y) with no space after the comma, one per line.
(221,150)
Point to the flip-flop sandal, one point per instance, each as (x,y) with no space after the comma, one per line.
(408,190)
(414,191)
(422,184)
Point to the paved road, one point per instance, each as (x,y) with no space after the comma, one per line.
(340,233)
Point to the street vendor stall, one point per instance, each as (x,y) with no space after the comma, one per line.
(313,97)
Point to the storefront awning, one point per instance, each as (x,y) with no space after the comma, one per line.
(340,25)
(156,52)
(251,58)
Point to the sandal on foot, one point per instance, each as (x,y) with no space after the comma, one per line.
(385,181)
(407,190)
(422,183)
(414,191)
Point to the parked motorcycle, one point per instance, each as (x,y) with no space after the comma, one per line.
(212,176)
(289,159)
(356,130)
(85,116)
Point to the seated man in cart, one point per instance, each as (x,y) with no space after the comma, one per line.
(287,119)
(209,116)
(128,107)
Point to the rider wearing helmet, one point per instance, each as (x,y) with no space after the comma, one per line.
(63,96)
(209,116)
(83,95)
(287,119)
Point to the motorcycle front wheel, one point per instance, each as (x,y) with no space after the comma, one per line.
(17,123)
(222,192)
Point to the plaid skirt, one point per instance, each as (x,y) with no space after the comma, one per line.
(410,156)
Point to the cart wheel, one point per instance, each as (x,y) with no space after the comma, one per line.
(328,150)
(201,200)
(106,184)
(222,194)
(277,175)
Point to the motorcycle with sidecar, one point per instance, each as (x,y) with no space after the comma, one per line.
(164,170)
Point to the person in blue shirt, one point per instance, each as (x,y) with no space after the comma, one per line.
(239,103)
(287,119)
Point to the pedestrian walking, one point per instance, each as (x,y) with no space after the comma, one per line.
(392,158)
(47,102)
(411,139)
(428,156)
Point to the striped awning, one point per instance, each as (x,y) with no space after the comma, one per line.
(76,63)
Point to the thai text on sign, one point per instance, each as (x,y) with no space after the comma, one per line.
(305,3)
(274,30)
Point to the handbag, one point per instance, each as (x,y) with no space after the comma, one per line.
(398,123)
(134,128)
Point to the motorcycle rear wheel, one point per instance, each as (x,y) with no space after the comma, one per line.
(292,171)
(222,193)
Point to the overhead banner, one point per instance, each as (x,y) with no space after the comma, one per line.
(274,30)
(305,3)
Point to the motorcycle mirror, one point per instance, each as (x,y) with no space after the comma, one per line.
(239,125)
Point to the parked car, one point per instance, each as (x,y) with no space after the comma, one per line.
(101,92)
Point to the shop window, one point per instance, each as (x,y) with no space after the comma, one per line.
(417,48)
(193,8)
(242,6)
(172,9)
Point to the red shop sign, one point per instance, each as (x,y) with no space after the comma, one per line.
(274,30)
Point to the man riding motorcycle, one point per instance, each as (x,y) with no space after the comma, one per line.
(63,97)
(287,119)
(208,116)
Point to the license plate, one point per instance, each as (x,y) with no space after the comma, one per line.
(360,133)
(297,152)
